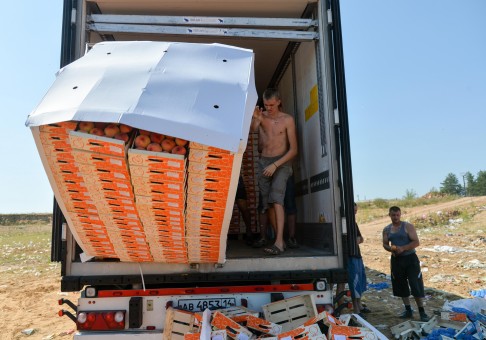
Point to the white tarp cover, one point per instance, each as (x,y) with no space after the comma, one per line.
(199,92)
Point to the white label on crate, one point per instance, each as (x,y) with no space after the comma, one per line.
(173,186)
(174,164)
(119,175)
(116,149)
(172,174)
(173,195)
(173,205)
(116,161)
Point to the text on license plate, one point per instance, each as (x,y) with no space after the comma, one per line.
(203,304)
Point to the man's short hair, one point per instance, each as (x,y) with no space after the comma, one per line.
(394,209)
(271,93)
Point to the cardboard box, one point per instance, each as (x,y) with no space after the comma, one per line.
(156,160)
(211,158)
(210,170)
(199,146)
(232,328)
(59,128)
(453,316)
(338,332)
(102,145)
(291,313)
(178,323)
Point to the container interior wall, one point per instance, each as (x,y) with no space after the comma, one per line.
(315,206)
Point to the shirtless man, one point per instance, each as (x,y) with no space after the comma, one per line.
(277,137)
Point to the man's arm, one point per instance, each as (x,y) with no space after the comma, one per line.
(386,242)
(292,139)
(359,237)
(256,119)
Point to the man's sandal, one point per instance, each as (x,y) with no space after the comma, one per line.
(259,243)
(273,250)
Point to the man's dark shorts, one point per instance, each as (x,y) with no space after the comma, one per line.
(289,200)
(273,188)
(406,272)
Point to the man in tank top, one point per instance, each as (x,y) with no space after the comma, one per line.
(400,238)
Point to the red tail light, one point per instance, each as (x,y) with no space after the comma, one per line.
(101,320)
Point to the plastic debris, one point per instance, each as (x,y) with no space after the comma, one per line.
(479,293)
(28,331)
(379,286)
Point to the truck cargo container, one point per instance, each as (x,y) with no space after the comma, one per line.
(296,47)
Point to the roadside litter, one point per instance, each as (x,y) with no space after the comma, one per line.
(460,319)
(379,286)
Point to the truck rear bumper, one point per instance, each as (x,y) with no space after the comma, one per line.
(125,335)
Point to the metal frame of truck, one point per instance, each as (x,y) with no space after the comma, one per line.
(317,28)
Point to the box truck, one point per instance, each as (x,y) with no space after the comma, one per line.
(292,45)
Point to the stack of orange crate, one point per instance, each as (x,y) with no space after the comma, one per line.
(249,172)
(209,177)
(103,166)
(159,181)
(70,183)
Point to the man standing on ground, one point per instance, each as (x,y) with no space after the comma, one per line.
(277,135)
(400,238)
(357,275)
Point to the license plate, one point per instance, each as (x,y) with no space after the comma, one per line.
(199,305)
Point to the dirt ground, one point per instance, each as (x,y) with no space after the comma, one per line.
(453,260)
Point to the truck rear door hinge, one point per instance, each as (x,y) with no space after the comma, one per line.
(73,16)
(329,17)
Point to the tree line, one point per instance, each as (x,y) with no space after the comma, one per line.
(470,186)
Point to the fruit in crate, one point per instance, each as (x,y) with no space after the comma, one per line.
(97,131)
(100,125)
(142,141)
(111,130)
(144,132)
(125,128)
(85,126)
(122,136)
(179,150)
(180,141)
(154,147)
(156,137)
(168,144)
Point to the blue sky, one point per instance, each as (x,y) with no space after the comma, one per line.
(416,85)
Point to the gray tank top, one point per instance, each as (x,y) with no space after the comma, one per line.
(399,238)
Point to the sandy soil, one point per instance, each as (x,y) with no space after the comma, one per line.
(28,297)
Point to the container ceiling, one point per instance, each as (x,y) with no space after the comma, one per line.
(240,8)
(267,52)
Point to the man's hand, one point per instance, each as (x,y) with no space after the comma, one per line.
(256,119)
(258,113)
(270,170)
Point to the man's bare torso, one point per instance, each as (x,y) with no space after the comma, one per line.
(273,134)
